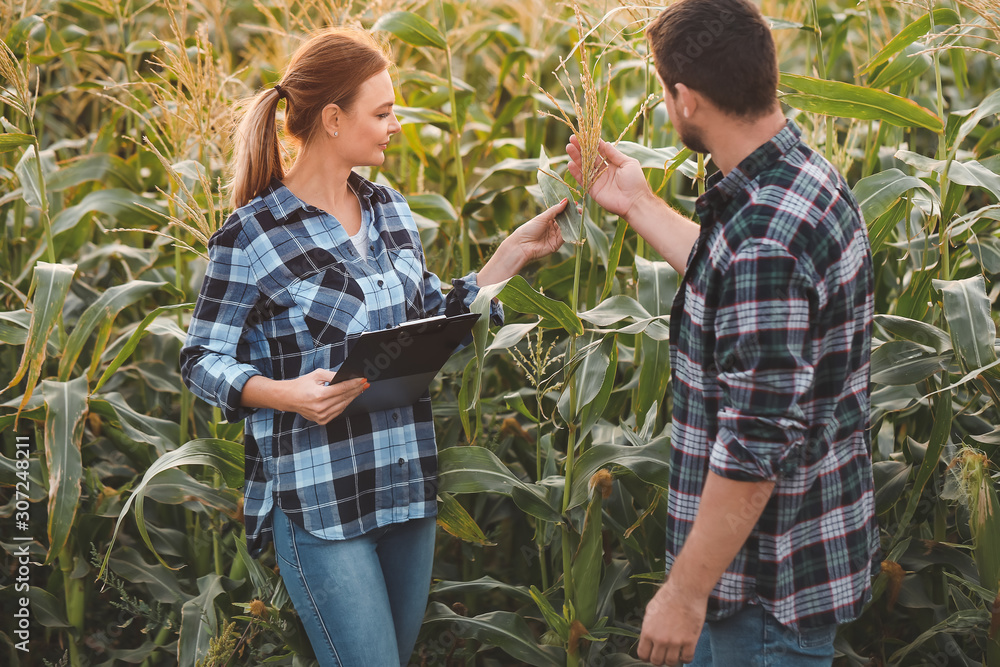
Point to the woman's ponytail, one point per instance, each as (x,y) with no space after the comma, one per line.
(257,151)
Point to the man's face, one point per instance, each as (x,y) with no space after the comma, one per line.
(691,135)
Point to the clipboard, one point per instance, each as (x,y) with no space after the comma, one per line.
(399,363)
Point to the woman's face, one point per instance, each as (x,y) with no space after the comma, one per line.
(365,130)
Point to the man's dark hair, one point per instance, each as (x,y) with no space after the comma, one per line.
(721,48)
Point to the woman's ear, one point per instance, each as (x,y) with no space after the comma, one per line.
(332,115)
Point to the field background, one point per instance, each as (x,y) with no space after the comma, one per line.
(554,430)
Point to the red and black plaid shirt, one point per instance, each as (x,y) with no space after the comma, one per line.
(770,346)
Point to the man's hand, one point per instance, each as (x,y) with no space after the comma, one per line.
(728,511)
(672,625)
(621,183)
(621,188)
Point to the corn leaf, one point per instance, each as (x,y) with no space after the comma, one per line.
(133,341)
(650,463)
(657,285)
(101,315)
(27,173)
(511,335)
(587,564)
(878,192)
(456,520)
(119,204)
(481,585)
(554,190)
(967,308)
(916,331)
(836,98)
(614,256)
(66,408)
(990,106)
(905,362)
(523,298)
(940,432)
(224,456)
(14,140)
(503,629)
(477,469)
(199,621)
(909,65)
(411,28)
(944,16)
(49,286)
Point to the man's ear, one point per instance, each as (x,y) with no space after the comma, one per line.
(688,100)
(332,115)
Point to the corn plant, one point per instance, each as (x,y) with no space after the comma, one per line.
(554,429)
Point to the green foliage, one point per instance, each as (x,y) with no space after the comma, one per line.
(114,119)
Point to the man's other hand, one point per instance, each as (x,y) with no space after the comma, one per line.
(672,625)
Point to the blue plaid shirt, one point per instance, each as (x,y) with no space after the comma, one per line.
(286,293)
(770,346)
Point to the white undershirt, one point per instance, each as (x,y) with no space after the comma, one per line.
(360,240)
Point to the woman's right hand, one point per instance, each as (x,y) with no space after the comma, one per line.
(309,395)
(320,402)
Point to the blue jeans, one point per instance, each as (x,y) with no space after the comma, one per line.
(361,600)
(754,638)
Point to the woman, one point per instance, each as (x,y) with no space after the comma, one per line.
(312,257)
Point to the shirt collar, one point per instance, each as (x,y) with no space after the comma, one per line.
(284,204)
(721,189)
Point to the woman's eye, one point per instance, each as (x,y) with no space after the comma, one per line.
(383,115)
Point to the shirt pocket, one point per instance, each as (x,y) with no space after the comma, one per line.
(333,308)
(407,263)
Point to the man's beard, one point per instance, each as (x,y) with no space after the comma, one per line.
(691,137)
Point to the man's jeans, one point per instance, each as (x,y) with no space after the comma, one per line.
(755,638)
(361,600)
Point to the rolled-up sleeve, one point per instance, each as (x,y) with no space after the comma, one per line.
(209,359)
(463,292)
(764,361)
(459,300)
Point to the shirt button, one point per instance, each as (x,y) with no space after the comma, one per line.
(395,417)
(380,283)
(402,461)
(388,326)
(372,247)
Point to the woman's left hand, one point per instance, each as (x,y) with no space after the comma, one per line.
(536,238)
(539,236)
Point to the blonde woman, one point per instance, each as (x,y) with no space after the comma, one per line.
(312,256)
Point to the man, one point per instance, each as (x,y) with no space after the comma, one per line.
(771,528)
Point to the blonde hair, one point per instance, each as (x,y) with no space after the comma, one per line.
(328,68)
